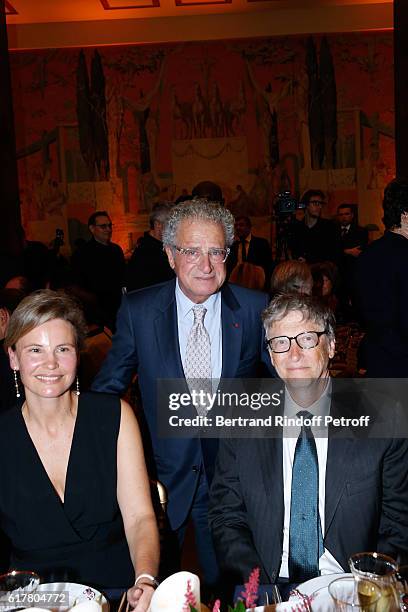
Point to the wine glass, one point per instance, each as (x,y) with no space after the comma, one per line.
(15,588)
(350,595)
(380,569)
(402,587)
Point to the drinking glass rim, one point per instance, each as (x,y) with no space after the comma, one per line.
(392,564)
(355,582)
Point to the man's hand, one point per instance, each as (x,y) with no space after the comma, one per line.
(139,596)
(354,252)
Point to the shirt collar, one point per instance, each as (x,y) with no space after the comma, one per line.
(321,407)
(185,305)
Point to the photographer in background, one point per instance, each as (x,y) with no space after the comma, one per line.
(314,239)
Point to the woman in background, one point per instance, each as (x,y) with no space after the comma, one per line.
(74,493)
(292,276)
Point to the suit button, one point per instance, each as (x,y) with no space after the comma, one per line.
(195,469)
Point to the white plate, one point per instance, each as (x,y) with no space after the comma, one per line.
(320,582)
(78,592)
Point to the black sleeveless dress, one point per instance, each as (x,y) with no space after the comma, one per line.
(80,540)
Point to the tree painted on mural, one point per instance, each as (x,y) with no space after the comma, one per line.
(329,103)
(315,110)
(98,107)
(91,115)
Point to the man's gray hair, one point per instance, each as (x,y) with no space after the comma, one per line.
(198,210)
(160,212)
(312,309)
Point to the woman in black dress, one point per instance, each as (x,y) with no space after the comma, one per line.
(74,492)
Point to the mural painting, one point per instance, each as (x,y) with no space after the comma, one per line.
(120,128)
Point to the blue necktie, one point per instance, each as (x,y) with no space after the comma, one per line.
(305,531)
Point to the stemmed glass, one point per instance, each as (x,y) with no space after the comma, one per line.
(15,588)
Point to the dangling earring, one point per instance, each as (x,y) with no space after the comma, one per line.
(18,394)
(77,386)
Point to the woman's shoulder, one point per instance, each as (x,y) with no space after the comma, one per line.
(101,408)
(10,422)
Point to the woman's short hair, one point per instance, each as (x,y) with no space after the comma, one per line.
(248,275)
(292,277)
(43,306)
(198,210)
(312,308)
(395,202)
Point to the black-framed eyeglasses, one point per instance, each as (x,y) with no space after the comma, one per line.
(193,255)
(304,340)
(104,226)
(317,202)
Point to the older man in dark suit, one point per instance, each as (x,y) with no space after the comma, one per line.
(302,503)
(196,327)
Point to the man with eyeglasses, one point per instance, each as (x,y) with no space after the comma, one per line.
(314,239)
(194,327)
(299,504)
(99,267)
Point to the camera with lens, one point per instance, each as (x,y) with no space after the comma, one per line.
(285,203)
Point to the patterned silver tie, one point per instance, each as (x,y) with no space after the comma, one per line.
(197,367)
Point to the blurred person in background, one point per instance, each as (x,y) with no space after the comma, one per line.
(292,277)
(382,290)
(325,283)
(99,266)
(314,238)
(249,248)
(149,264)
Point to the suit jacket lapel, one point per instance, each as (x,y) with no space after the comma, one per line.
(231,320)
(338,457)
(167,332)
(271,462)
(340,448)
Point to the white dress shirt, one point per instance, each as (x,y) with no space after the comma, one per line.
(212,323)
(327,563)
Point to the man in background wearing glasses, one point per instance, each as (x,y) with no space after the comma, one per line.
(99,267)
(299,504)
(194,327)
(314,239)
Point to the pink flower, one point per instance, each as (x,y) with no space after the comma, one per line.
(216,607)
(250,594)
(190,600)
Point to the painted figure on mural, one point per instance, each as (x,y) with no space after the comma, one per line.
(50,196)
(182,116)
(216,112)
(235,110)
(199,112)
(269,117)
(148,124)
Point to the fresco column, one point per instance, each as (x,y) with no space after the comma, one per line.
(401,86)
(10,218)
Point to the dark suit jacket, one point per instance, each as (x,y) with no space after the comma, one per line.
(258,253)
(356,236)
(315,244)
(382,298)
(366,500)
(146,342)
